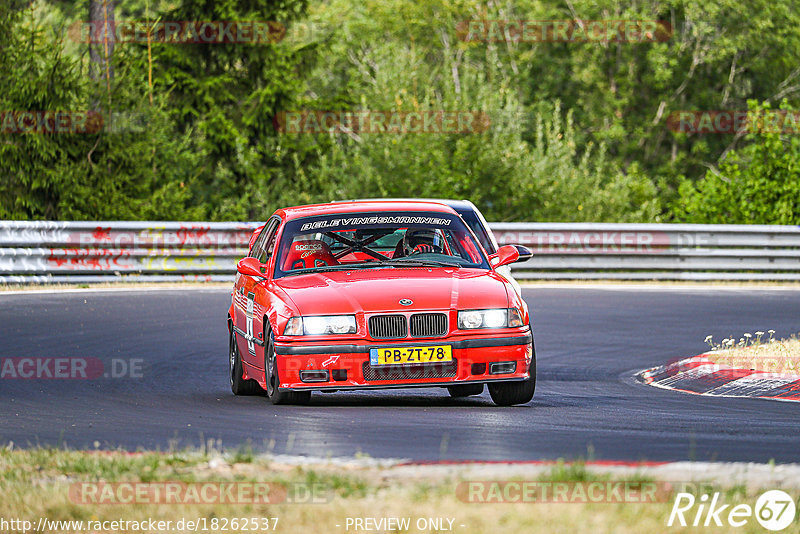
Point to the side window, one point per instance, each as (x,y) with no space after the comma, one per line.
(254,246)
(480,232)
(270,247)
(262,249)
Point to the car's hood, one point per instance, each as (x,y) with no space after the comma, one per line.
(380,290)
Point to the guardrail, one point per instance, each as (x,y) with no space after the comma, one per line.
(85,252)
(654,251)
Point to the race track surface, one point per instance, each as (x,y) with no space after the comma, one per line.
(589,342)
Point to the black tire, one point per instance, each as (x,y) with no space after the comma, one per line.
(275,395)
(465,390)
(511,393)
(239,386)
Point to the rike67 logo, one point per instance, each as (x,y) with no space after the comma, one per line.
(774,510)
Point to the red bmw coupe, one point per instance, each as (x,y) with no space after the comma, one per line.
(374,295)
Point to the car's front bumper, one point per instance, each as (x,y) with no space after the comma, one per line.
(346,365)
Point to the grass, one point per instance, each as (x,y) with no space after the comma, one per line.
(36,483)
(758,352)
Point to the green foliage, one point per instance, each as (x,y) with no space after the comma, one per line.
(531,164)
(758,184)
(567,185)
(226,96)
(578,130)
(196,151)
(33,167)
(136,167)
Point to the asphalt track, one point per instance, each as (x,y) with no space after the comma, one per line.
(589,343)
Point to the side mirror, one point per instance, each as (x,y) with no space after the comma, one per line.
(251,267)
(504,255)
(255,235)
(524,253)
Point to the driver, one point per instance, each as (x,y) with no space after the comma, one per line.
(421,241)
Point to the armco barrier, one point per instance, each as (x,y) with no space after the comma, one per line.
(84,252)
(654,251)
(63,252)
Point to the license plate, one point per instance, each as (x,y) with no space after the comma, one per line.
(410,355)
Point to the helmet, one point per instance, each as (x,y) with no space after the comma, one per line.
(417,241)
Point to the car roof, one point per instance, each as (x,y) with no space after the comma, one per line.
(453,203)
(351,206)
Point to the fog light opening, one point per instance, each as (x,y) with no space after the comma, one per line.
(502,368)
(314,375)
(478,368)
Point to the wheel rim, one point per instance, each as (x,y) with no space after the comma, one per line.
(232,358)
(270,378)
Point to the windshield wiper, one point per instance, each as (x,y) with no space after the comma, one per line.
(344,267)
(374,264)
(426,263)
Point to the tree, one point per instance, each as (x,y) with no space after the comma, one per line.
(226,96)
(196,144)
(532,163)
(102,39)
(129,163)
(757,184)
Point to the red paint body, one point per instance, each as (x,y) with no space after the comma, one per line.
(366,292)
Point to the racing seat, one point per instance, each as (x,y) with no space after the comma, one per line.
(308,254)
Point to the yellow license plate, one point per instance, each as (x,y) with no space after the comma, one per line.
(411,355)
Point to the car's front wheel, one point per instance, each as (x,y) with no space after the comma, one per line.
(275,395)
(511,393)
(239,386)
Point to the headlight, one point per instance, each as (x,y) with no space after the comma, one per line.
(496,318)
(294,327)
(320,325)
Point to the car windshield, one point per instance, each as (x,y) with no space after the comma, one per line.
(377,241)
